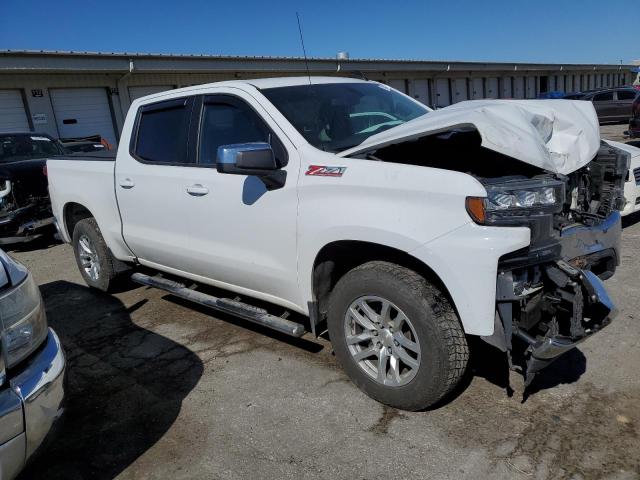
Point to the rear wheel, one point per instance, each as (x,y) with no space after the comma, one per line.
(396,335)
(95,262)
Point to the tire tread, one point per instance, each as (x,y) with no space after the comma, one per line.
(109,270)
(446,320)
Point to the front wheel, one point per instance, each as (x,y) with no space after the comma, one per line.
(94,259)
(397,337)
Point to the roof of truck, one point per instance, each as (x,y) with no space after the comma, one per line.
(263,83)
(295,81)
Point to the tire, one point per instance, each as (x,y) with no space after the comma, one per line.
(86,234)
(437,344)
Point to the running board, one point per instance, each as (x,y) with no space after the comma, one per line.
(226,305)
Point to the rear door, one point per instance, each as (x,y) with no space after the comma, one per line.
(624,100)
(152,179)
(605,105)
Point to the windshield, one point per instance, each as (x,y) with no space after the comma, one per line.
(338,116)
(24,147)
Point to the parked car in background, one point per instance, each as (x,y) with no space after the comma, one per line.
(632,184)
(634,121)
(613,104)
(399,229)
(94,143)
(555,95)
(573,96)
(32,368)
(25,209)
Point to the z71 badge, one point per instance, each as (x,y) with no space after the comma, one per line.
(324,171)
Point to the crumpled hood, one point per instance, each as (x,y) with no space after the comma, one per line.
(560,136)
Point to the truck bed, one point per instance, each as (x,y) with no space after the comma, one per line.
(102,156)
(86,180)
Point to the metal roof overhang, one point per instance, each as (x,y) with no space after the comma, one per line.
(90,62)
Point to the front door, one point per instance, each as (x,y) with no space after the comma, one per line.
(243,236)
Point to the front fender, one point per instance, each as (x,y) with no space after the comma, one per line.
(466,260)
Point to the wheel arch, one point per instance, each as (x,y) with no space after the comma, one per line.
(73,212)
(337,258)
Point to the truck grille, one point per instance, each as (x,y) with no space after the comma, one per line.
(636,173)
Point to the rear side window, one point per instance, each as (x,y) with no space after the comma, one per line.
(603,97)
(626,95)
(24,147)
(163,132)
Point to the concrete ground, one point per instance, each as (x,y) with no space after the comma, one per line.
(159,389)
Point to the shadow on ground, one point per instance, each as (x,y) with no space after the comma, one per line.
(630,220)
(491,364)
(43,242)
(125,385)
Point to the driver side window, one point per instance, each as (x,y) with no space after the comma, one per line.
(232,122)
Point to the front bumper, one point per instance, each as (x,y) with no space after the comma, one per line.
(552,298)
(30,406)
(591,311)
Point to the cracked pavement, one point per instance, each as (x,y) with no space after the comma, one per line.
(158,388)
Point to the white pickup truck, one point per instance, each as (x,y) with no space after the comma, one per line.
(399,230)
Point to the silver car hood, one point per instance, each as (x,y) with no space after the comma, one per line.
(559,136)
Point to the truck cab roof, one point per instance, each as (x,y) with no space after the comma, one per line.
(261,83)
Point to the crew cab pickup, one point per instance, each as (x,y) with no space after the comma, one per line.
(399,230)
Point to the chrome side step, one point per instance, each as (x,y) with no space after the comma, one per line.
(226,305)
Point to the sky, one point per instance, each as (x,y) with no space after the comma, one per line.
(560,31)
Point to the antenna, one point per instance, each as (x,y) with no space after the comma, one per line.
(304,51)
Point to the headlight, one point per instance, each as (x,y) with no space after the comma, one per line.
(516,199)
(23,321)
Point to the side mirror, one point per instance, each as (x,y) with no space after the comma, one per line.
(255,159)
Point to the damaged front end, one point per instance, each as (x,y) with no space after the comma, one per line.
(544,167)
(550,295)
(551,308)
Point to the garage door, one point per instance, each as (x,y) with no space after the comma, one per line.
(477,89)
(137,92)
(507,90)
(531,87)
(492,87)
(82,112)
(442,93)
(420,90)
(460,90)
(518,87)
(398,84)
(13,118)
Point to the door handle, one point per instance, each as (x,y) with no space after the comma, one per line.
(197,190)
(127,183)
